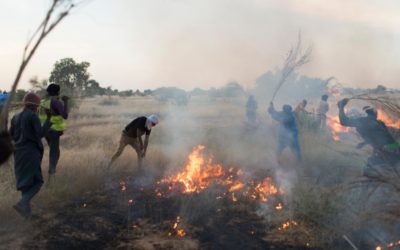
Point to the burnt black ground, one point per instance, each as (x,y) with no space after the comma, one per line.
(106,220)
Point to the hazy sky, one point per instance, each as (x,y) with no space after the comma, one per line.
(202,43)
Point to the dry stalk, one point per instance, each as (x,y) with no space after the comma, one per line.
(296,58)
(51,20)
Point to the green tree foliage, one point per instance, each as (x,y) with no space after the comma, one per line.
(70,75)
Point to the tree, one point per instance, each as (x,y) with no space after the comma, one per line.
(58,10)
(71,75)
(38,86)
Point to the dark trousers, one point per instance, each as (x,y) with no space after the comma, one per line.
(53,140)
(27,195)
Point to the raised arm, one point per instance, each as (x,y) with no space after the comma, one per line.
(344,119)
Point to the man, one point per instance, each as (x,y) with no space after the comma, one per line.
(132,135)
(251,110)
(288,133)
(322,110)
(59,114)
(373,132)
(27,131)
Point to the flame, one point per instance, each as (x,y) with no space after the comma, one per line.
(176,230)
(288,224)
(389,245)
(263,190)
(389,121)
(130,202)
(200,172)
(336,128)
(279,206)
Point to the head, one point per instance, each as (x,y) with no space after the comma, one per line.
(31,101)
(53,90)
(304,103)
(287,108)
(152,121)
(371,112)
(324,97)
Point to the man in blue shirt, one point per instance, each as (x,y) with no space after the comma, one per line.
(288,135)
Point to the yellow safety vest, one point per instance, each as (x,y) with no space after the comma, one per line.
(57,121)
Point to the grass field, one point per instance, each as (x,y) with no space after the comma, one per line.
(317,188)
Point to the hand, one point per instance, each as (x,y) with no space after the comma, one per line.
(48,113)
(343,102)
(65,98)
(143,154)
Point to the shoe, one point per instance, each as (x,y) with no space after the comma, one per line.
(24,211)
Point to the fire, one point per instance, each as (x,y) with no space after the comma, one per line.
(200,173)
(263,190)
(336,128)
(389,121)
(279,206)
(176,230)
(130,202)
(389,245)
(287,225)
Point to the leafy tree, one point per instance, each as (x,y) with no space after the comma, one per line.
(71,75)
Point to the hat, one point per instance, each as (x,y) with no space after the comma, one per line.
(53,89)
(151,121)
(31,99)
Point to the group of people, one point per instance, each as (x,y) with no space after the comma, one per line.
(373,131)
(46,118)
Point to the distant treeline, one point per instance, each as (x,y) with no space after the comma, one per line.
(75,81)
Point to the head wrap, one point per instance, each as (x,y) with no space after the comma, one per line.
(324,97)
(31,99)
(151,121)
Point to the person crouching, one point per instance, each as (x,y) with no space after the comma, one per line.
(132,135)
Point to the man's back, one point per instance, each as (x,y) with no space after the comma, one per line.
(138,123)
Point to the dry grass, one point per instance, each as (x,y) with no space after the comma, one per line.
(94,130)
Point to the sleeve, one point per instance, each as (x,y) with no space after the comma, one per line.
(40,130)
(148,132)
(58,107)
(275,115)
(346,121)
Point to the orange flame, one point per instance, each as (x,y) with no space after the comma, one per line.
(200,172)
(389,121)
(176,230)
(336,128)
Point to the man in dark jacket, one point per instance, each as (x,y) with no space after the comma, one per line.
(27,131)
(132,135)
(288,133)
(375,133)
(59,115)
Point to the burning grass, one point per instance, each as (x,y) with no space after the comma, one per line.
(245,203)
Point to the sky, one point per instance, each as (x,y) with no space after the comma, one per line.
(145,44)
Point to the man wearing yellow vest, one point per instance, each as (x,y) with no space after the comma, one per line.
(59,114)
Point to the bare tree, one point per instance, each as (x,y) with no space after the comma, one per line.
(296,58)
(58,10)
